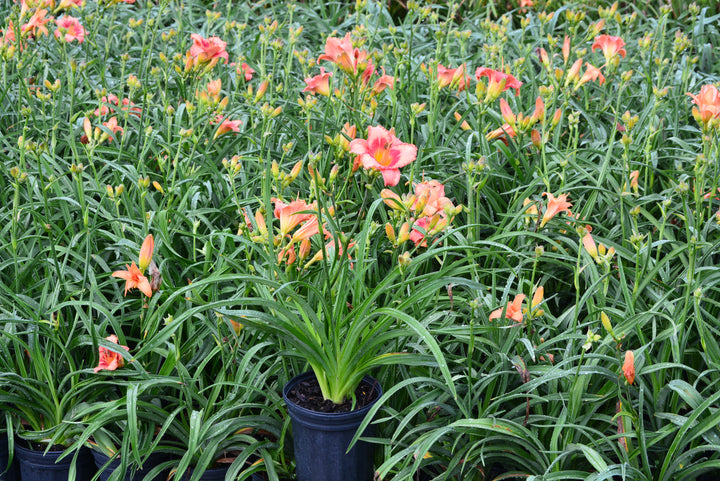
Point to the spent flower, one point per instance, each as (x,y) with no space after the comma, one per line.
(110,360)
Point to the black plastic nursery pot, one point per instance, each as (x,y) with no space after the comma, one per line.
(215,474)
(42,466)
(152,461)
(7,473)
(321,439)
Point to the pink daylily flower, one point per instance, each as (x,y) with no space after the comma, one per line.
(384,152)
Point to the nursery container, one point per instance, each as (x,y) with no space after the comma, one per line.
(7,473)
(42,466)
(215,474)
(321,439)
(152,461)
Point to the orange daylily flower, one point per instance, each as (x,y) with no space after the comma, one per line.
(134,275)
(206,51)
(498,82)
(383,82)
(112,125)
(610,46)
(226,125)
(455,77)
(319,84)
(554,207)
(36,23)
(110,360)
(245,71)
(629,367)
(7,36)
(291,215)
(430,198)
(69,29)
(708,101)
(513,310)
(340,51)
(591,73)
(134,279)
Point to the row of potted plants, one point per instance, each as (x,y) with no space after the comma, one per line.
(197,395)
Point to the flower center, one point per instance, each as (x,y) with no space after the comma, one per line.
(382,155)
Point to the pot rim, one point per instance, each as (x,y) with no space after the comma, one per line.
(332,417)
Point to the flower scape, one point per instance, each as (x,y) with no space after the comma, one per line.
(506,212)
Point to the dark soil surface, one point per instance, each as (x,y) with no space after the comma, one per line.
(307,394)
(42,447)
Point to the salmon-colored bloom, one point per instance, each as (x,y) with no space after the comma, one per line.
(367,73)
(453,77)
(591,73)
(497,82)
(708,101)
(384,152)
(245,71)
(110,360)
(36,23)
(629,367)
(319,84)
(513,310)
(309,228)
(288,254)
(340,51)
(610,46)
(555,206)
(69,29)
(348,132)
(214,88)
(7,36)
(430,198)
(383,82)
(226,125)
(291,215)
(113,126)
(207,51)
(128,106)
(105,109)
(134,279)
(330,249)
(417,236)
